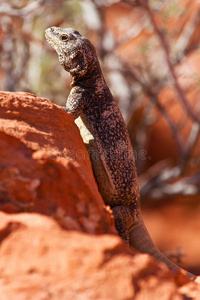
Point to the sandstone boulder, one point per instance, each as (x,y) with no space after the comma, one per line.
(57,238)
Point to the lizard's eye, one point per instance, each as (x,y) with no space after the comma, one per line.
(64,37)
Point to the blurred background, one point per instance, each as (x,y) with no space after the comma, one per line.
(150,55)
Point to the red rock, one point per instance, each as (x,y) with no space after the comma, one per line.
(191,290)
(45,167)
(43,261)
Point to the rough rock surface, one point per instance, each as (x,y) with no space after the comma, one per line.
(45,167)
(46,187)
(43,261)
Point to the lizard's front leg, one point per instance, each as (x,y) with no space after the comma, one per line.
(75,103)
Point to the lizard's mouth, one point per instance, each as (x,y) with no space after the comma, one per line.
(50,40)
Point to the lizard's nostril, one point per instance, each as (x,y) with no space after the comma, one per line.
(52,29)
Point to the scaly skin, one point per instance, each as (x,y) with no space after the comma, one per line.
(109,146)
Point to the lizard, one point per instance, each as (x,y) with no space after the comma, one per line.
(104,131)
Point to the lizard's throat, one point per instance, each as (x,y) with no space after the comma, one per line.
(89,81)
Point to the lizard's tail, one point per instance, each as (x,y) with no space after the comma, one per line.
(142,242)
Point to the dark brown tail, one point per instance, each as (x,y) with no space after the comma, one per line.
(142,242)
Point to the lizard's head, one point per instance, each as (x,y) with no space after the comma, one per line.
(76,54)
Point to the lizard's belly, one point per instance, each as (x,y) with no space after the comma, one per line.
(116,181)
(104,181)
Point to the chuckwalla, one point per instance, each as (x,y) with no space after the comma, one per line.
(104,131)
